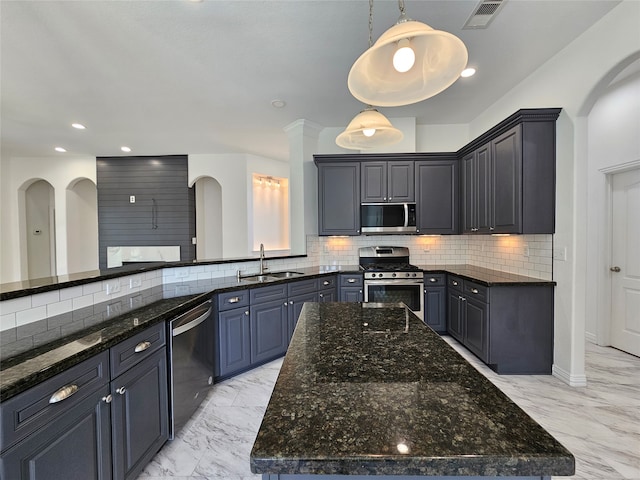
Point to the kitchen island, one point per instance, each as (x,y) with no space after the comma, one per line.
(367,389)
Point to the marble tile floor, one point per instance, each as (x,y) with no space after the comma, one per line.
(599,423)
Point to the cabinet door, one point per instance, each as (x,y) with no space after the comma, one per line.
(339,198)
(294,308)
(327,296)
(437,197)
(373,182)
(435,308)
(482,173)
(73,445)
(469,193)
(455,316)
(234,349)
(506,192)
(269,330)
(140,415)
(400,182)
(351,294)
(476,328)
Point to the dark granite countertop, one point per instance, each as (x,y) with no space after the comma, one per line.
(486,276)
(368,389)
(34,366)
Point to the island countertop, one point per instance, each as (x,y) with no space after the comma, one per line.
(368,389)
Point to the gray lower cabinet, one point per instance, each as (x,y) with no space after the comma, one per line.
(351,287)
(435,301)
(509,327)
(102,419)
(233,342)
(327,291)
(269,330)
(72,445)
(139,415)
(295,307)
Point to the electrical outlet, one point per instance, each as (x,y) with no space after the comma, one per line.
(182,290)
(560,254)
(132,199)
(113,286)
(135,302)
(182,272)
(135,282)
(114,309)
(525,250)
(426,250)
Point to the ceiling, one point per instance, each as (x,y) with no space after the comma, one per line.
(177,76)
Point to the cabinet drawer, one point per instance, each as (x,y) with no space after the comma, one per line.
(327,283)
(434,279)
(132,351)
(351,280)
(301,287)
(27,412)
(477,291)
(455,283)
(229,300)
(266,294)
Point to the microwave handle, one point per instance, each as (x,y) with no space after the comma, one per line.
(406,214)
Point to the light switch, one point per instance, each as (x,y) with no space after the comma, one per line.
(132,199)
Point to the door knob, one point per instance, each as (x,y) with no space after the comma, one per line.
(615,269)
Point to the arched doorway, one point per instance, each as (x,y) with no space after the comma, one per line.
(82,226)
(208,218)
(39,229)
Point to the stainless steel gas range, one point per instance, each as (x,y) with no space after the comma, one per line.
(389,277)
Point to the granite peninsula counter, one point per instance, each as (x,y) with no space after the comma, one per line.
(368,389)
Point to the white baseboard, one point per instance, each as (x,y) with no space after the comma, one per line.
(569,379)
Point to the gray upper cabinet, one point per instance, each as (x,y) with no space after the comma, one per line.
(339,198)
(437,195)
(387,181)
(508,176)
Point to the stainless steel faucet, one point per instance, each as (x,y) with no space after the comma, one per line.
(261,259)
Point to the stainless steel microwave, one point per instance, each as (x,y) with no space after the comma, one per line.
(376,218)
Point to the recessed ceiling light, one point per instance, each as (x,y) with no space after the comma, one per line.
(60,149)
(467,72)
(79,126)
(125,149)
(278,103)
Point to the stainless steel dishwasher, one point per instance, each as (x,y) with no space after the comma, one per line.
(191,357)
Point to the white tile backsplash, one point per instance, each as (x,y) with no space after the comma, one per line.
(506,254)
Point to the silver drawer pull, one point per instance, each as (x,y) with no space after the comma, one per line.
(63,393)
(233,300)
(433,280)
(142,346)
(455,283)
(326,282)
(121,390)
(351,280)
(474,290)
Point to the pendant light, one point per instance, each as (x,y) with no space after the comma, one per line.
(409,63)
(369,129)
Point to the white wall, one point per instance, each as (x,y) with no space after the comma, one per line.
(17,173)
(82,226)
(613,144)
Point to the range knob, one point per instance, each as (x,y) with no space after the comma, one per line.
(393,274)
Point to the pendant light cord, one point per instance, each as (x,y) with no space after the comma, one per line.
(401,6)
(370,23)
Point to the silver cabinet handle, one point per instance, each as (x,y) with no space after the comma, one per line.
(64,393)
(326,282)
(322,295)
(121,390)
(107,399)
(433,280)
(142,346)
(233,300)
(615,269)
(351,280)
(246,312)
(492,228)
(474,290)
(455,283)
(290,302)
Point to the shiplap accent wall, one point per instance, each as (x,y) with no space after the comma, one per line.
(164,210)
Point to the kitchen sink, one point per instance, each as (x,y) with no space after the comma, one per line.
(285,274)
(258,278)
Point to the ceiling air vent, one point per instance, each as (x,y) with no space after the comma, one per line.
(483,14)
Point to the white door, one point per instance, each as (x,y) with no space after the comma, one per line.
(625,262)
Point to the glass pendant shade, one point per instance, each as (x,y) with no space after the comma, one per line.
(440,57)
(358,134)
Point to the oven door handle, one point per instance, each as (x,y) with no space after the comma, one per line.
(396,281)
(406,215)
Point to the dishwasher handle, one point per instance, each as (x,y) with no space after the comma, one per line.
(191,319)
